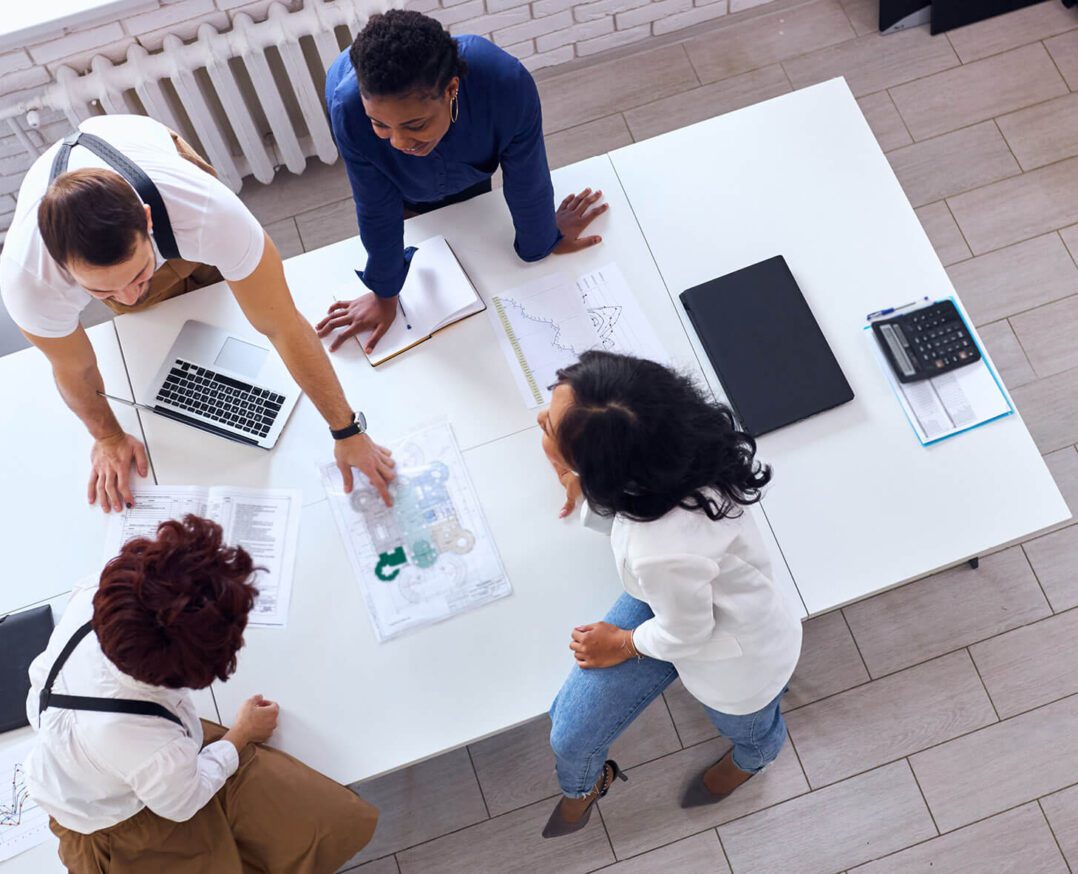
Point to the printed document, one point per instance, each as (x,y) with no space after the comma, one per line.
(545,325)
(265,522)
(23,825)
(428,557)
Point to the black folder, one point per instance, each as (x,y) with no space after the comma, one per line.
(766,346)
(23,637)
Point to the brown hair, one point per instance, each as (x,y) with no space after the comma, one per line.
(171,611)
(93,216)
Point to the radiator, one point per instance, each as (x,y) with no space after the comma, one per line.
(250,98)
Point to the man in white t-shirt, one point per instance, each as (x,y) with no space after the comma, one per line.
(89,235)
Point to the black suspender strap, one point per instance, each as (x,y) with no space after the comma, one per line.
(98,705)
(162,227)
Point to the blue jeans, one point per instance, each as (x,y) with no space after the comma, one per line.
(596,705)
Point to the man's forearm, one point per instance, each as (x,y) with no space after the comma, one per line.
(80,392)
(307,361)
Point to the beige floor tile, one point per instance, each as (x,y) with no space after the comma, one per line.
(1007,354)
(285,236)
(946,611)
(645,812)
(874,62)
(511,844)
(706,101)
(1049,333)
(1018,28)
(692,723)
(587,140)
(1055,560)
(886,123)
(978,91)
(943,232)
(1030,666)
(516,767)
(328,224)
(1064,51)
(890,718)
(1015,279)
(570,99)
(422,802)
(700,854)
(1001,766)
(1061,809)
(950,164)
(1018,208)
(832,829)
(864,15)
(1063,465)
(288,194)
(758,42)
(388,865)
(1070,237)
(1044,133)
(1018,841)
(1049,407)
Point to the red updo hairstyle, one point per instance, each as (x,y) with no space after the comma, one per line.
(171,611)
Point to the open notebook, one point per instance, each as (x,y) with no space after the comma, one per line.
(436,293)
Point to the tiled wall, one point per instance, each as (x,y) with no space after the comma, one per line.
(541,33)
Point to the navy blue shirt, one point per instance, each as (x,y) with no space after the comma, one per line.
(500,122)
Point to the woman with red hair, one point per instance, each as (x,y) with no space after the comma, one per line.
(132,780)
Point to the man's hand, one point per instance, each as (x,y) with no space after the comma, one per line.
(600,645)
(110,470)
(576,212)
(366,313)
(254,724)
(376,462)
(571,483)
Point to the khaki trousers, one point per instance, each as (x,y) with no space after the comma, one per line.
(176,276)
(273,815)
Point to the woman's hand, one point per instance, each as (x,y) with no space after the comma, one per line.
(601,645)
(366,313)
(254,724)
(571,483)
(576,212)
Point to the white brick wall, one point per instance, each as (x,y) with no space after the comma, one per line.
(542,33)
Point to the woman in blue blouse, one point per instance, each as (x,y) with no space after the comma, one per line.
(422,120)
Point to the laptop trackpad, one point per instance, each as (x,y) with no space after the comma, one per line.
(241,357)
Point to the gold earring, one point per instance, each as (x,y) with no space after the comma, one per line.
(454,108)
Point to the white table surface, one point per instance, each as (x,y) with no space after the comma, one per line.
(857,503)
(352,707)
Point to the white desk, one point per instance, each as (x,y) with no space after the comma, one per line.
(857,504)
(351,707)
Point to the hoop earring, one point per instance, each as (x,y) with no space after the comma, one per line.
(454,108)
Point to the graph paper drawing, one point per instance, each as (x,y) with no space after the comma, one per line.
(23,825)
(546,325)
(428,557)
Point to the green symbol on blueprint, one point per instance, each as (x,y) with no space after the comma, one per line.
(395,559)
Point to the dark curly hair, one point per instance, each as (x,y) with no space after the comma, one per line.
(402,52)
(645,439)
(172,611)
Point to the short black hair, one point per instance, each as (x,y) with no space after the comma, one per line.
(402,52)
(645,439)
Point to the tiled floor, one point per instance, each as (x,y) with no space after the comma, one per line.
(934,727)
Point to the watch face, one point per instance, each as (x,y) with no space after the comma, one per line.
(361,420)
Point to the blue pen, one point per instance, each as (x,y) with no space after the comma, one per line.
(889,310)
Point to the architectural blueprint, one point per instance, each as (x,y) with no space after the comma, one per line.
(430,555)
(23,825)
(545,325)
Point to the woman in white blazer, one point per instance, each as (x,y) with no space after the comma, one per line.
(670,473)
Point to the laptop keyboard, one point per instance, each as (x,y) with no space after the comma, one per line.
(220,398)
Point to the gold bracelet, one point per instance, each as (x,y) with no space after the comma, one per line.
(630,646)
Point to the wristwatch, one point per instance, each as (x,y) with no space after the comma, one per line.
(358,426)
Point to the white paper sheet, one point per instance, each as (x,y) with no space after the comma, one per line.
(265,522)
(431,555)
(545,325)
(23,825)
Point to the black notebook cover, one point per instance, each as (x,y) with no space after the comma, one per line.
(23,637)
(766,347)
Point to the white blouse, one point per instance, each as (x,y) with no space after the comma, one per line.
(90,770)
(719,618)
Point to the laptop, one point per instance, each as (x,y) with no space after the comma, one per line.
(226,385)
(766,347)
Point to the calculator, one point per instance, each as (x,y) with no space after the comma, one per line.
(926,342)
